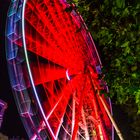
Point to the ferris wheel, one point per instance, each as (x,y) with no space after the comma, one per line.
(55,72)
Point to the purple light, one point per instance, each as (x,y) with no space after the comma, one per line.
(3,106)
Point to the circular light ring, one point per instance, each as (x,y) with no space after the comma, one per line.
(54,66)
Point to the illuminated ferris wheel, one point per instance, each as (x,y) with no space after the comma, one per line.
(55,72)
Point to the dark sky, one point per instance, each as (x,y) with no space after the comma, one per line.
(12,125)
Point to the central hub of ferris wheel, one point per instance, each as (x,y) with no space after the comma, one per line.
(67,75)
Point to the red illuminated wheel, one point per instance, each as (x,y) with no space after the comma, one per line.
(60,68)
